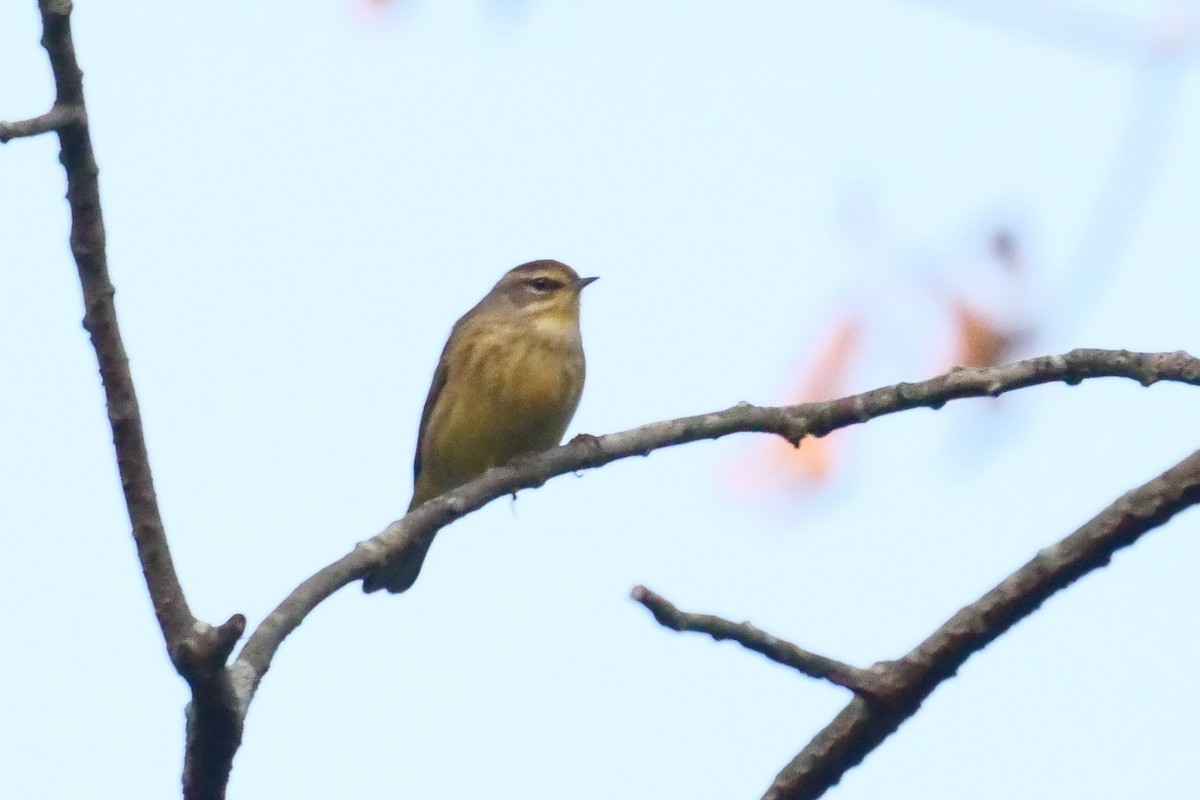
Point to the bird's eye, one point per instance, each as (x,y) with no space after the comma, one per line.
(541,284)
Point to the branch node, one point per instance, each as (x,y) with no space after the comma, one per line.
(228,634)
(59,8)
(795,430)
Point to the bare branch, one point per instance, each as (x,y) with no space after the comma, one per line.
(100,320)
(589,452)
(199,651)
(865,723)
(859,681)
(892,691)
(57,118)
(255,658)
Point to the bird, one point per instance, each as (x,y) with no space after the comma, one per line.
(507,384)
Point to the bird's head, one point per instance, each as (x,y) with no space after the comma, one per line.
(545,290)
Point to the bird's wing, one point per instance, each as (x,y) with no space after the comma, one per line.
(435,390)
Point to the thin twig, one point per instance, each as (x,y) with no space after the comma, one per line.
(859,681)
(57,118)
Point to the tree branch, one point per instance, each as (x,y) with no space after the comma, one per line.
(866,722)
(199,651)
(589,452)
(100,321)
(57,118)
(892,691)
(859,681)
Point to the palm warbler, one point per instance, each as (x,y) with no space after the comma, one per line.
(507,384)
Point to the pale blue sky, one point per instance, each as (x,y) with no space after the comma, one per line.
(301,199)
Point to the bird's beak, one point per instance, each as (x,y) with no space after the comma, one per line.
(582,282)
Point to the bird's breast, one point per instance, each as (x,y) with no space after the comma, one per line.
(512,391)
(534,374)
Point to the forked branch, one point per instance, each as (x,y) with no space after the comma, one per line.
(892,691)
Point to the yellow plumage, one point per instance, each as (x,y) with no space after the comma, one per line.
(507,393)
(507,384)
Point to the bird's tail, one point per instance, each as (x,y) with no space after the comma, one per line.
(400,573)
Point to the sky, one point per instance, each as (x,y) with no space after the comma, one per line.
(301,198)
